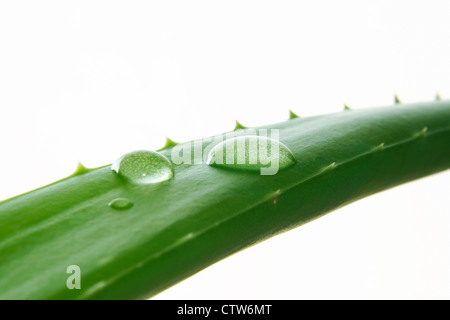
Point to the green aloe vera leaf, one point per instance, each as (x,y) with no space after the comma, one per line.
(132,240)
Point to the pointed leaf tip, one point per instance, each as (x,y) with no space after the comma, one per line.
(80,169)
(239,126)
(292,115)
(169,143)
(397,100)
(347,108)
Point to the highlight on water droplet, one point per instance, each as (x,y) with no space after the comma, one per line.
(121,204)
(143,167)
(253,154)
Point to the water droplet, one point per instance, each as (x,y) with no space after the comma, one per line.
(144,167)
(121,204)
(251,153)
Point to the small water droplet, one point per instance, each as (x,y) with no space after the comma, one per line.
(251,153)
(121,204)
(144,167)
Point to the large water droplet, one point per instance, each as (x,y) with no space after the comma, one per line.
(121,204)
(251,153)
(144,167)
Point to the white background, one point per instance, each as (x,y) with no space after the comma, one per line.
(90,80)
